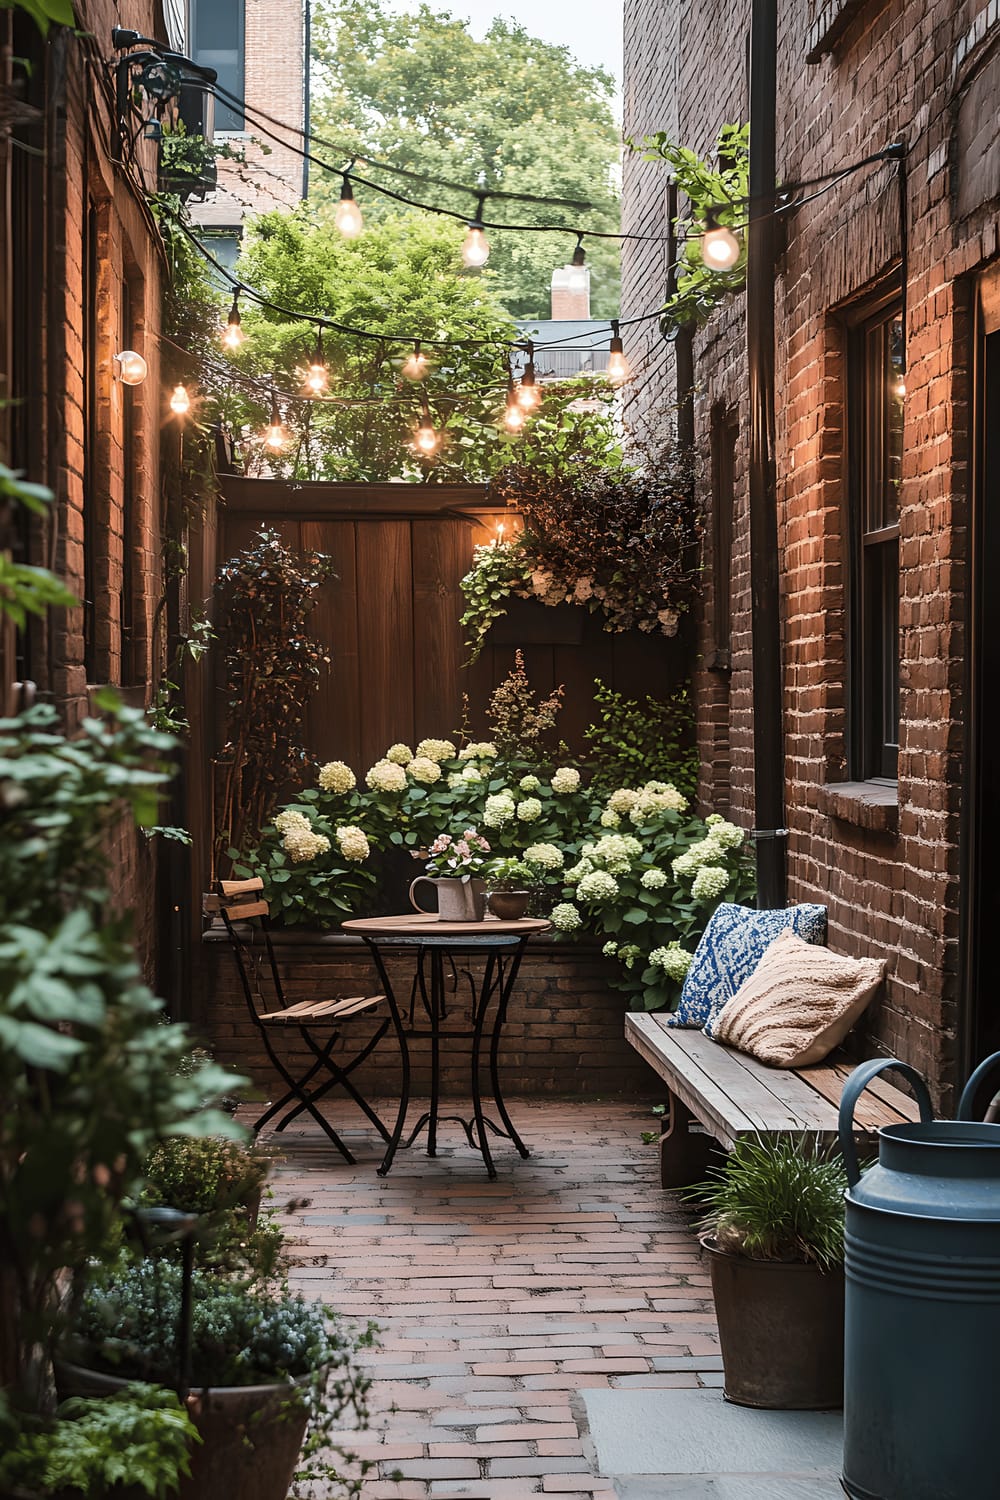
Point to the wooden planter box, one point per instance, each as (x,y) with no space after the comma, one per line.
(529,622)
(564,1034)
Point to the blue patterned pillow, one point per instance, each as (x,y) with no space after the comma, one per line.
(731,947)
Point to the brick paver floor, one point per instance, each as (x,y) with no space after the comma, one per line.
(499,1301)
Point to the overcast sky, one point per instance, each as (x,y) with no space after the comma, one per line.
(591,29)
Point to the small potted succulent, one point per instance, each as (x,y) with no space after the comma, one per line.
(508,887)
(774,1236)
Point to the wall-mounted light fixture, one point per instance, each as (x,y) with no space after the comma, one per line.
(132,368)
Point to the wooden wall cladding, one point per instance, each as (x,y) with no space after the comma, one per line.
(398,667)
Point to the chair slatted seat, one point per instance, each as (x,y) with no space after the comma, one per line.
(318,1023)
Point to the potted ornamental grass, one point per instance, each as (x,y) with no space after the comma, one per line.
(773,1230)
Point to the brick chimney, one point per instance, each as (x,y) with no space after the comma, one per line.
(571,292)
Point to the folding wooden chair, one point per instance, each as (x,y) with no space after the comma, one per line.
(245,914)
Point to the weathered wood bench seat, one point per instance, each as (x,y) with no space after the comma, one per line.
(716,1094)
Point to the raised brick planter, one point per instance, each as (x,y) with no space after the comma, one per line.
(564,1034)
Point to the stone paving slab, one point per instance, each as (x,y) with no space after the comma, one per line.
(504,1305)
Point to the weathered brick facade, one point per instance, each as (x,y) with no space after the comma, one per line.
(886,859)
(84,264)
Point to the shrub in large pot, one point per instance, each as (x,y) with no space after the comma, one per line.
(264,1364)
(774,1237)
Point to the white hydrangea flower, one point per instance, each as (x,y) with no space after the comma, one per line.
(610,819)
(710,882)
(653,879)
(582,589)
(455,780)
(499,810)
(529,784)
(599,885)
(673,960)
(436,749)
(545,855)
(422,768)
(566,779)
(685,864)
(400,755)
(336,776)
(610,949)
(579,870)
(353,843)
(289,819)
(565,917)
(656,797)
(726,835)
(628,954)
(616,851)
(386,776)
(530,810)
(303,844)
(623,800)
(669,620)
(714,818)
(470,775)
(481,750)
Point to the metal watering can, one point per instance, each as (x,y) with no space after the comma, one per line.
(922,1306)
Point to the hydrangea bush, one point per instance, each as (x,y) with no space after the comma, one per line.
(632,868)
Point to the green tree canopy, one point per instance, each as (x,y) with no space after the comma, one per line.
(403,276)
(509,112)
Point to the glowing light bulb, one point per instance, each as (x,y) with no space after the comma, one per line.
(529,397)
(348,216)
(232,334)
(317,375)
(513,417)
(415,366)
(476,249)
(180,401)
(132,368)
(720,249)
(618,370)
(425,437)
(275,436)
(899,388)
(501,528)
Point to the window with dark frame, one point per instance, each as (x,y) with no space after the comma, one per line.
(876,390)
(130,463)
(217,41)
(91,355)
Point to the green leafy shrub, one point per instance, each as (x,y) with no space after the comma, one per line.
(129,1317)
(631,741)
(776,1200)
(139,1437)
(204,1174)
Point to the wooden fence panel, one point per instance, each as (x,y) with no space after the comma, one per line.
(385,635)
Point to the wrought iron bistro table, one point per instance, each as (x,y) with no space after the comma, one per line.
(501,945)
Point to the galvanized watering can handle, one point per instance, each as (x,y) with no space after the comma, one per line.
(855,1087)
(971,1089)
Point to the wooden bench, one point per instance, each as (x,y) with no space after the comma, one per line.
(718,1095)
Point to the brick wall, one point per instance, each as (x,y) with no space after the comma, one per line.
(102,465)
(898,71)
(564,1034)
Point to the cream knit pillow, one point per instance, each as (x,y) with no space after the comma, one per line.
(798,1004)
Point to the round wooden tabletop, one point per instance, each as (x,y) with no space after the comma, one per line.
(427,925)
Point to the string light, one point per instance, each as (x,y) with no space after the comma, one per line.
(720,249)
(476,249)
(528,395)
(426,438)
(415,366)
(132,368)
(275,436)
(180,401)
(318,375)
(348,216)
(618,370)
(232,334)
(514,414)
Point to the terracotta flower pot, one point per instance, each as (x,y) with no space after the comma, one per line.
(251,1434)
(781,1328)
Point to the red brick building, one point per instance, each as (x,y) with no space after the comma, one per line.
(82,264)
(887,473)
